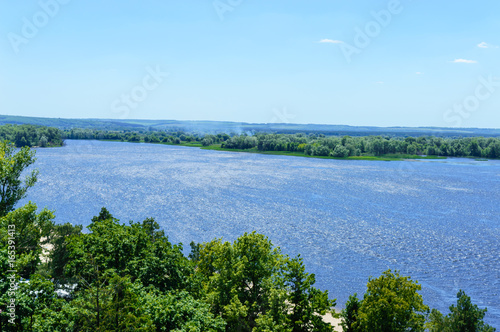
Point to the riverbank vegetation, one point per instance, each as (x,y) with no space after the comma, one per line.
(31,135)
(313,145)
(117,277)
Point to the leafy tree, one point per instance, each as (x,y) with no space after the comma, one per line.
(436,322)
(254,287)
(30,228)
(12,166)
(350,314)
(235,277)
(154,139)
(59,256)
(464,317)
(60,316)
(340,151)
(43,141)
(411,149)
(32,296)
(108,302)
(308,304)
(378,146)
(137,250)
(180,311)
(103,215)
(391,304)
(474,148)
(321,151)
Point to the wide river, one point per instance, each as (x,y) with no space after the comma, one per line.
(436,221)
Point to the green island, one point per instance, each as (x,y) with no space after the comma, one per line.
(130,277)
(311,145)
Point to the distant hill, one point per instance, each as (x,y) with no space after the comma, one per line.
(239,127)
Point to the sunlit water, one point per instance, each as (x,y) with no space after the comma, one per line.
(437,221)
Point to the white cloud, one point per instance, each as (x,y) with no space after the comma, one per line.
(486,45)
(331,41)
(379,82)
(419,73)
(464,61)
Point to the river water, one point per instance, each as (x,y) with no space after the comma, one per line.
(436,221)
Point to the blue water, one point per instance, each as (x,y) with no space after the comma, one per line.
(437,221)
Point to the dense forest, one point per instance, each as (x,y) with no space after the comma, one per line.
(311,144)
(30,135)
(130,277)
(320,145)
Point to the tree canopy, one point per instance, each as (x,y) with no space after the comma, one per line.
(12,165)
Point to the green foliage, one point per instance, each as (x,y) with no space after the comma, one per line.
(181,312)
(391,303)
(12,165)
(348,146)
(340,151)
(31,135)
(307,303)
(464,317)
(235,277)
(252,285)
(30,228)
(112,303)
(59,255)
(240,142)
(137,250)
(32,297)
(349,314)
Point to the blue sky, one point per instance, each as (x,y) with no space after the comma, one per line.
(380,63)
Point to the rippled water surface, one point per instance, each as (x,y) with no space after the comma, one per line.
(437,221)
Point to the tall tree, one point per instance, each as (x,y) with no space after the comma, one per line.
(31,231)
(464,317)
(308,304)
(254,287)
(350,313)
(392,304)
(12,165)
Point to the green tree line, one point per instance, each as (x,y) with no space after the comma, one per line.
(130,277)
(312,144)
(333,146)
(31,135)
(169,137)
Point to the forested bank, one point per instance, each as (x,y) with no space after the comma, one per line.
(31,135)
(347,146)
(116,277)
(312,144)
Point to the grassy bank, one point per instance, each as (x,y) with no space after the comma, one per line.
(385,157)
